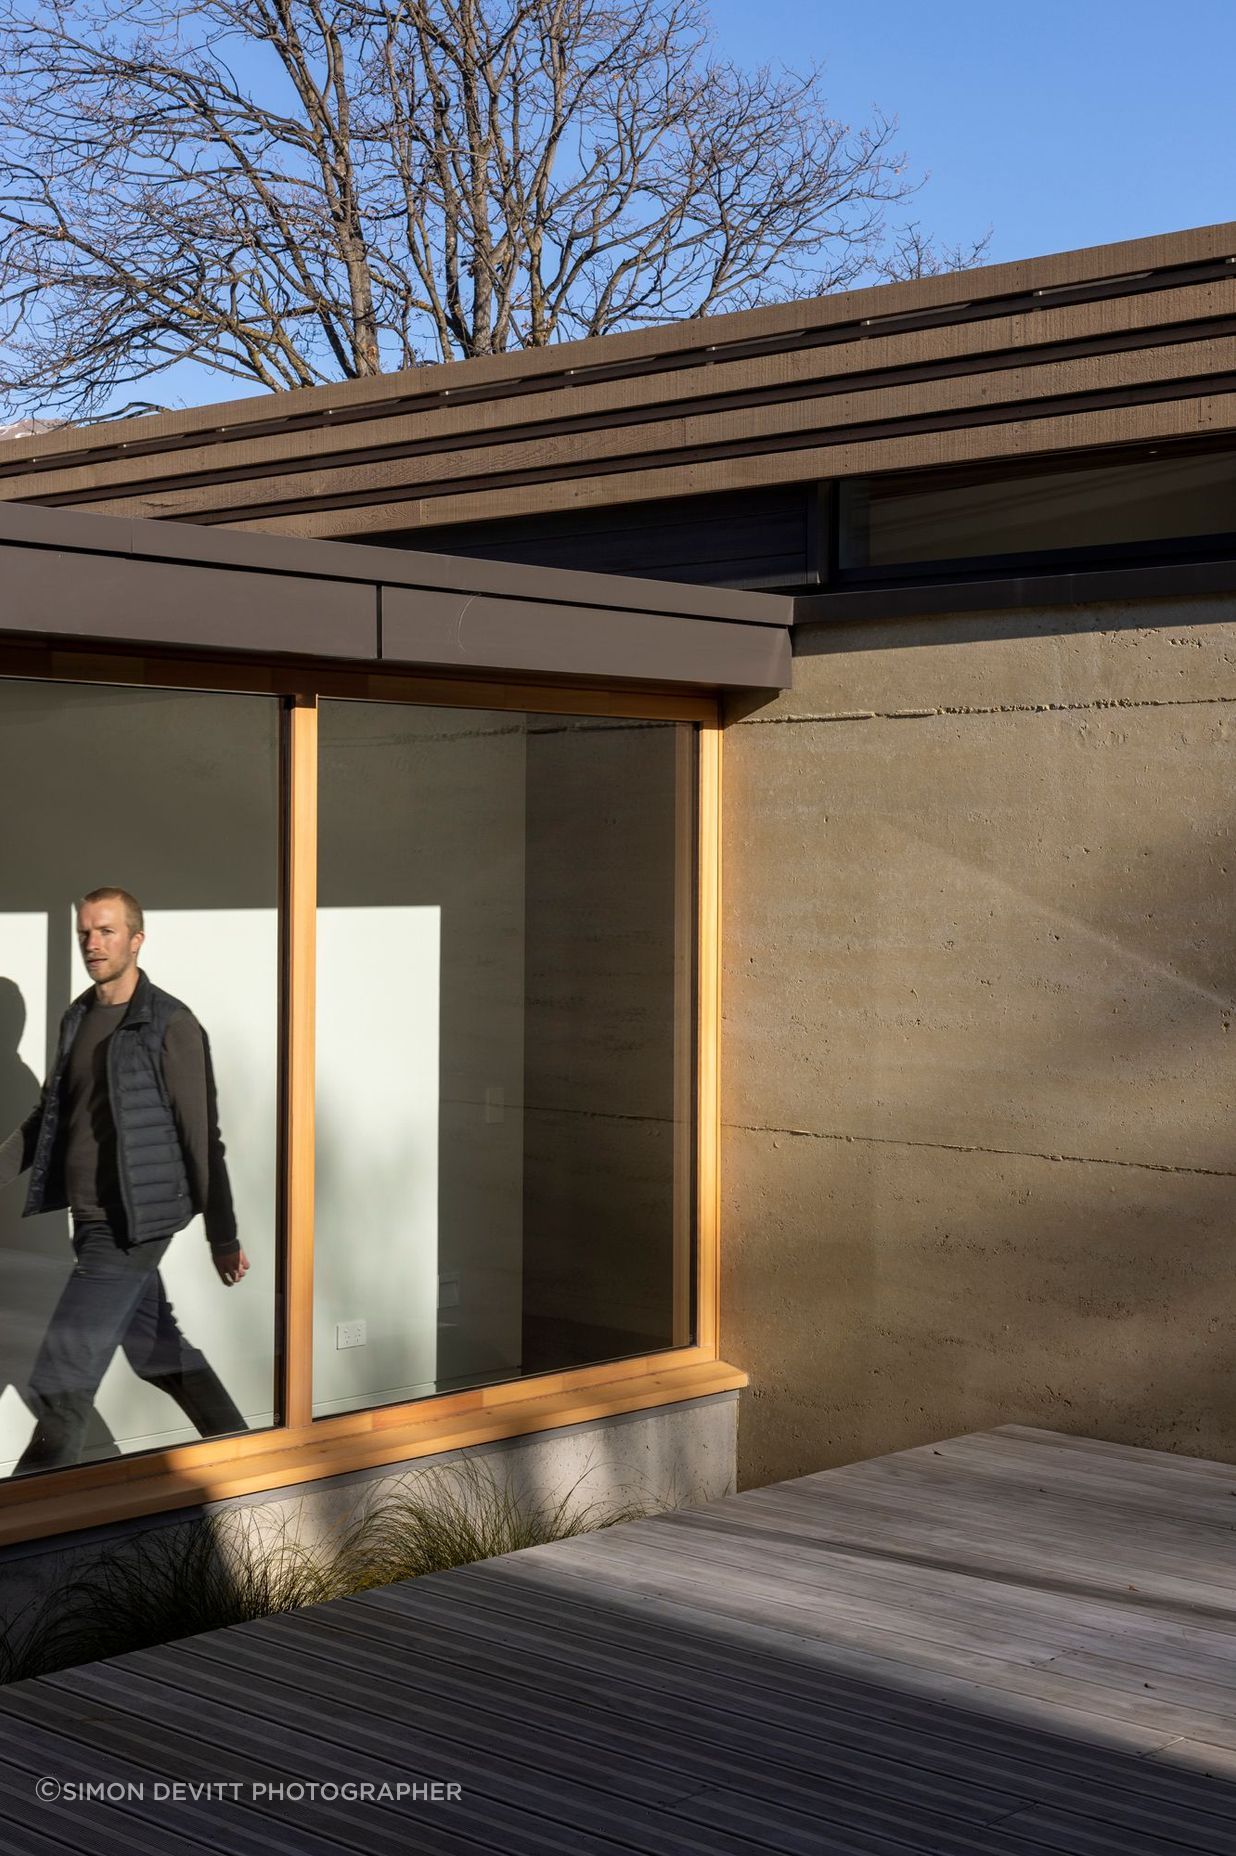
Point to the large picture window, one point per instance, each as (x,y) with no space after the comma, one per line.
(448,965)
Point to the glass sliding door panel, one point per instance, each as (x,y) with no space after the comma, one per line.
(505,1046)
(172,796)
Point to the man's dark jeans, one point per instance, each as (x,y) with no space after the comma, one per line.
(115,1297)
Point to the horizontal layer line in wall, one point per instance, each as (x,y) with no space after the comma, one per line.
(978,1147)
(128,478)
(384,398)
(953,711)
(812,439)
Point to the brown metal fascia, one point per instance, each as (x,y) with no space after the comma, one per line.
(456,631)
(33,526)
(112,581)
(118,598)
(1132,267)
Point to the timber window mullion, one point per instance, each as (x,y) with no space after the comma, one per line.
(708,1137)
(302,882)
(686,961)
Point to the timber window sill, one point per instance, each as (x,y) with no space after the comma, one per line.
(94,1495)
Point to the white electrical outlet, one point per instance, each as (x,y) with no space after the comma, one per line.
(495,1103)
(349,1334)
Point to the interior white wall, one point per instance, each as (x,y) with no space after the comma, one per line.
(23,956)
(377,1092)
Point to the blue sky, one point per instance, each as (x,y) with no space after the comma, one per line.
(1065,123)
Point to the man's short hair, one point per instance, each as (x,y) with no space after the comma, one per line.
(132,907)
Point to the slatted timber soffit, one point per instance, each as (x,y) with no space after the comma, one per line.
(1121,344)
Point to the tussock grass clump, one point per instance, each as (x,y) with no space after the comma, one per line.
(454,1515)
(26,1648)
(196,1576)
(231,1568)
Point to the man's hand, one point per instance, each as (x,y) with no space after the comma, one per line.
(231,1264)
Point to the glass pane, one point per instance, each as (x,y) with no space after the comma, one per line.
(119,1333)
(890,521)
(505,1058)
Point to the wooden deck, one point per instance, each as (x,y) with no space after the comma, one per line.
(1007,1644)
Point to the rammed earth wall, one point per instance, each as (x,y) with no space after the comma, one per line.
(977,1055)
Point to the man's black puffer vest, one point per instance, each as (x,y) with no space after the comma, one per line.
(154,1184)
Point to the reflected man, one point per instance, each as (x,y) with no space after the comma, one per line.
(126,1137)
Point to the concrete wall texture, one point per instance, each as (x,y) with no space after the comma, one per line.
(979,975)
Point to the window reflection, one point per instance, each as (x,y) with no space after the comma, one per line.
(902,519)
(504,1046)
(137,1196)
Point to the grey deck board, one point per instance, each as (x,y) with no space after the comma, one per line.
(954,1492)
(1010,1644)
(843,1716)
(709,1750)
(313,1732)
(747,1682)
(947,1597)
(949,1514)
(1060,1444)
(990,1660)
(125,1750)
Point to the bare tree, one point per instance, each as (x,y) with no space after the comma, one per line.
(297,191)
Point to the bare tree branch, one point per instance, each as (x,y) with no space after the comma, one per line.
(914,254)
(299,191)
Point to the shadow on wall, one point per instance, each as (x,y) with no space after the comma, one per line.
(980,986)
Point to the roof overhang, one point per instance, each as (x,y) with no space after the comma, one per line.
(1130,344)
(156,585)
